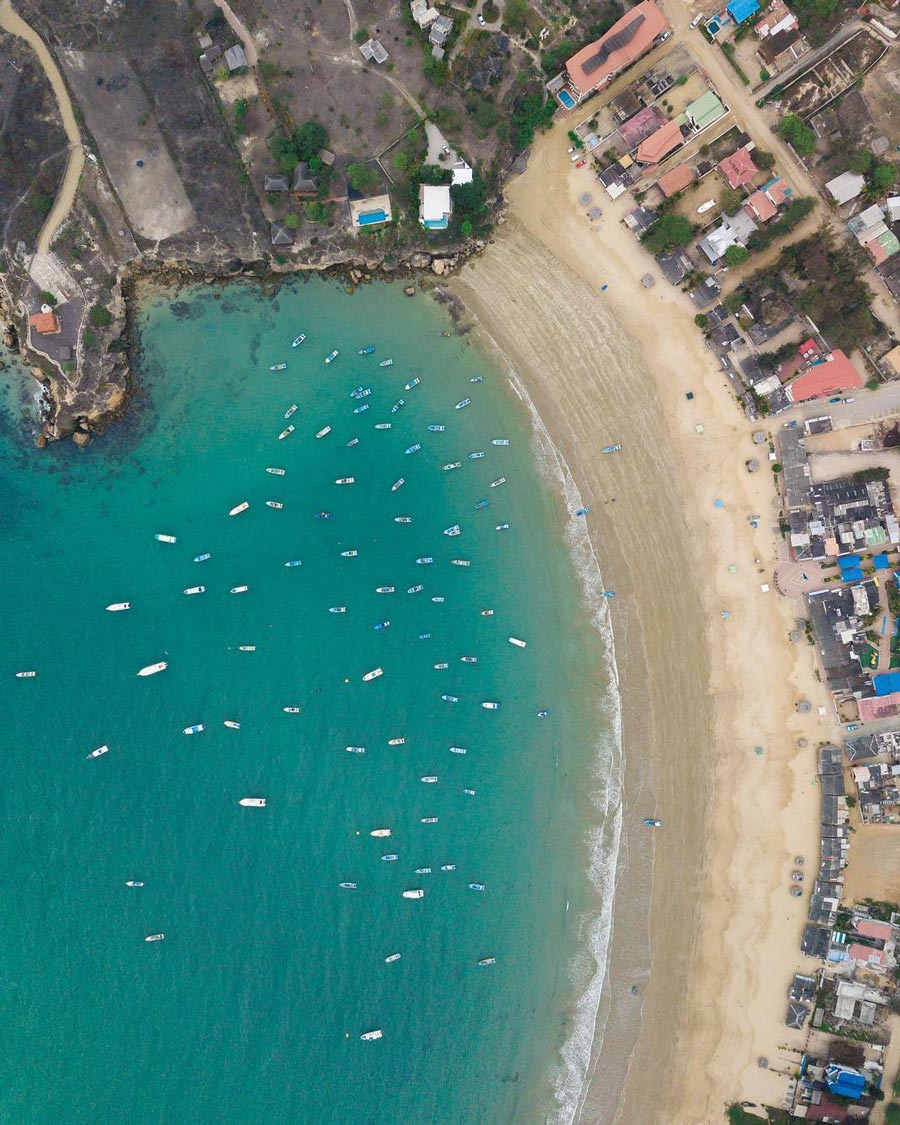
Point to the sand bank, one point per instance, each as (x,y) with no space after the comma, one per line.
(700,692)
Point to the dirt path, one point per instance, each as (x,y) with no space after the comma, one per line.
(240,31)
(13,23)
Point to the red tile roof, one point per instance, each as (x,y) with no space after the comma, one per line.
(778,191)
(657,146)
(865,954)
(676,180)
(738,168)
(760,207)
(881,931)
(879,707)
(44,323)
(627,39)
(825,378)
(876,251)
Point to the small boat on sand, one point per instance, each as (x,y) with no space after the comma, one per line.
(98,753)
(298,340)
(238,508)
(117,607)
(165,538)
(278,367)
(286,433)
(152,669)
(611,448)
(332,356)
(651,823)
(253,802)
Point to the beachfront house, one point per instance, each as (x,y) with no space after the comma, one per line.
(375,210)
(435,207)
(734,230)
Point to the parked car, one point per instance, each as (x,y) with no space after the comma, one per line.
(581,164)
(697,20)
(570,149)
(480,19)
(836,399)
(848,400)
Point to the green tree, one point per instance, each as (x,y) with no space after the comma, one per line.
(485,114)
(861,163)
(309,138)
(41,202)
(799,136)
(470,200)
(701,320)
(762,159)
(668,233)
(100,316)
(730,200)
(362,177)
(735,255)
(883,179)
(47,298)
(284,152)
(531,113)
(435,70)
(292,221)
(362,34)
(400,160)
(515,13)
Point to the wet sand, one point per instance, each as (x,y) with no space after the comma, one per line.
(713,956)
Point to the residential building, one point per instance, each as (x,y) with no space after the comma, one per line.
(462,173)
(738,169)
(373,51)
(435,207)
(440,31)
(629,38)
(235,58)
(45,322)
(281,235)
(304,182)
(845,187)
(676,180)
(659,144)
(706,110)
(777,17)
(371,211)
(275,183)
(733,231)
(826,375)
(782,49)
(423,13)
(741,10)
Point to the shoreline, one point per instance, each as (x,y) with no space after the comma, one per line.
(723,935)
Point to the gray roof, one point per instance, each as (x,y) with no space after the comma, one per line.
(373,51)
(281,235)
(797,1015)
(277,183)
(304,181)
(235,57)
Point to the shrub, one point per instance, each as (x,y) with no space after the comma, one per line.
(883,179)
(400,160)
(284,152)
(514,15)
(241,108)
(362,177)
(100,316)
(667,233)
(485,114)
(735,255)
(799,136)
(292,221)
(701,320)
(490,11)
(362,34)
(730,200)
(89,338)
(47,298)
(309,138)
(268,70)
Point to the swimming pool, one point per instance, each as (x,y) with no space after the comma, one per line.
(566,98)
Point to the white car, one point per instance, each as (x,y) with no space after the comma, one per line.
(846,400)
(570,149)
(480,18)
(696,21)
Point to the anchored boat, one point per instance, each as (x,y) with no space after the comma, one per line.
(165,538)
(152,669)
(253,802)
(286,433)
(117,607)
(238,508)
(298,340)
(98,753)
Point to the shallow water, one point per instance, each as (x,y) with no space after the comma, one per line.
(252,1008)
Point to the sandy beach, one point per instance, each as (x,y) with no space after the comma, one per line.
(710,727)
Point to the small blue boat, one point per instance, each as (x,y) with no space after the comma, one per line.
(414,448)
(412,383)
(361,409)
(609,593)
(390,858)
(611,448)
(382,625)
(437,429)
(332,356)
(294,562)
(651,823)
(582,511)
(367,350)
(323,515)
(475,886)
(203,558)
(481,504)
(424,636)
(194,729)
(450,698)
(398,405)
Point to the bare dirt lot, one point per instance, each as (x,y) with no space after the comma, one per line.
(121,119)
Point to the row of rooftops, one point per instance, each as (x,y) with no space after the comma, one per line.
(876,227)
(626,41)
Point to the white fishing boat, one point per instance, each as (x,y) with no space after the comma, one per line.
(487,613)
(451,531)
(461,562)
(347,886)
(398,405)
(475,886)
(403,519)
(437,429)
(345,480)
(502,527)
(500,441)
(239,589)
(238,508)
(291,710)
(490,705)
(325,430)
(515,641)
(468,659)
(429,819)
(195,590)
(355,749)
(386,363)
(152,669)
(380,832)
(165,538)
(440,667)
(396,742)
(487,961)
(392,958)
(384,425)
(291,410)
(98,753)
(155,937)
(25,675)
(475,456)
(203,558)
(361,409)
(415,589)
(349,554)
(134,883)
(423,871)
(429,779)
(385,589)
(496,483)
(458,750)
(353,441)
(373,675)
(253,802)
(276,472)
(337,609)
(438,599)
(294,562)
(450,698)
(414,448)
(424,560)
(462,403)
(195,729)
(117,607)
(369,1035)
(412,383)
(277,367)
(418,893)
(231,724)
(451,465)
(477,379)
(286,433)
(246,648)
(398,483)
(274,504)
(298,340)
(332,356)
(390,858)
(448,867)
(469,792)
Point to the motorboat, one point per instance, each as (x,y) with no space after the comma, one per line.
(152,669)
(231,724)
(392,958)
(291,410)
(355,749)
(353,441)
(450,698)
(165,538)
(391,857)
(382,625)
(398,483)
(451,531)
(298,340)
(238,508)
(475,886)
(398,405)
(276,472)
(469,792)
(368,350)
(480,504)
(543,714)
(345,480)
(369,1035)
(278,367)
(291,710)
(385,589)
(383,425)
(239,589)
(490,705)
(98,753)
(253,802)
(373,675)
(475,456)
(488,961)
(294,562)
(325,430)
(286,432)
(500,441)
(502,527)
(195,590)
(380,832)
(651,823)
(386,363)
(134,883)
(418,893)
(203,558)
(496,483)
(25,675)
(195,729)
(155,937)
(403,519)
(437,429)
(425,560)
(415,589)
(515,641)
(361,409)
(451,465)
(322,516)
(422,871)
(463,403)
(349,554)
(424,636)
(428,779)
(347,886)
(468,659)
(246,648)
(414,448)
(458,750)
(438,599)
(487,612)
(337,609)
(440,667)
(396,742)
(429,820)
(332,356)
(448,867)
(412,383)
(461,562)
(117,607)
(611,448)
(477,379)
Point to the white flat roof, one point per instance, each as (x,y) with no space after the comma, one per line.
(435,202)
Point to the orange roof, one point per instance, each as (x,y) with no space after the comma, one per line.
(676,180)
(659,144)
(738,168)
(825,378)
(878,707)
(627,39)
(868,927)
(856,951)
(877,251)
(777,190)
(44,323)
(760,207)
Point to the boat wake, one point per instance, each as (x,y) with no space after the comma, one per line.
(594,929)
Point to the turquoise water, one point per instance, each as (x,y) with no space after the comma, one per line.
(252,1007)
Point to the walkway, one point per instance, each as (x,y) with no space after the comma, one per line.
(240,31)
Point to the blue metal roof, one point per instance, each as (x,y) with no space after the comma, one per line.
(881,562)
(740,10)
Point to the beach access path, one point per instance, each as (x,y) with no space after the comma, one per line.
(724,930)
